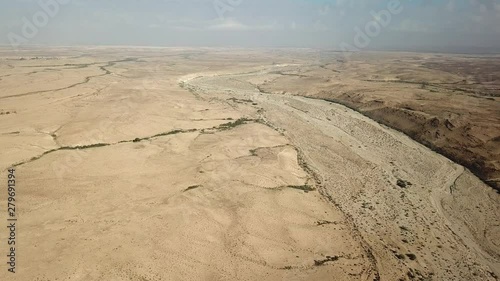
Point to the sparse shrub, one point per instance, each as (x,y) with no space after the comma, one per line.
(411,256)
(306,188)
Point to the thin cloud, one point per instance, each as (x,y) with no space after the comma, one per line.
(234,25)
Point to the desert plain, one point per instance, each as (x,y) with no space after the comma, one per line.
(250,164)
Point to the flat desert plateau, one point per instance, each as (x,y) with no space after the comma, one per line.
(233,164)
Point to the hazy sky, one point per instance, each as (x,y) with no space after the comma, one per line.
(417,24)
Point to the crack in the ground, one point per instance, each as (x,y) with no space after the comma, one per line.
(75,65)
(97,145)
(220,128)
(85,81)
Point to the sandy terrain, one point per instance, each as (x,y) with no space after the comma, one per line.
(173,164)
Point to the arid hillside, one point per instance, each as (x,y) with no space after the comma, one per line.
(450,103)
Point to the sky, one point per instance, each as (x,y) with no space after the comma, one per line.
(411,25)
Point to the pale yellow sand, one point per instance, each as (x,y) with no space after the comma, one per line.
(175,167)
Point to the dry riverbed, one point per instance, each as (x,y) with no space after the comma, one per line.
(168,164)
